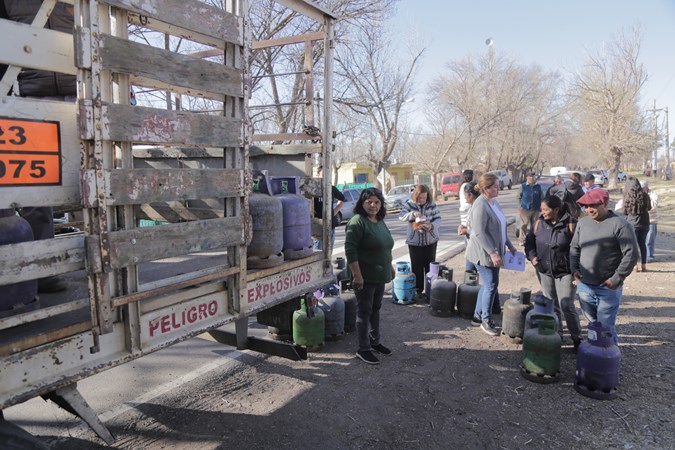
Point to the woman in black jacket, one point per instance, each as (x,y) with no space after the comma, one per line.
(636,206)
(547,246)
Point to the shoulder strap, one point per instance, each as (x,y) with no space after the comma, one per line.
(536,227)
(571,227)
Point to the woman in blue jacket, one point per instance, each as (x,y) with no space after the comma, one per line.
(547,246)
(424,220)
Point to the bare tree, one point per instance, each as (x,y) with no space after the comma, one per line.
(376,85)
(607,95)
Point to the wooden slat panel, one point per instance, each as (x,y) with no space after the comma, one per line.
(156,126)
(43,313)
(36,48)
(169,67)
(129,247)
(196,17)
(284,137)
(285,149)
(174,212)
(37,259)
(43,338)
(149,83)
(137,186)
(69,190)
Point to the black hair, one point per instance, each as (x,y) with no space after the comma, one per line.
(634,201)
(553,202)
(471,188)
(468,175)
(365,195)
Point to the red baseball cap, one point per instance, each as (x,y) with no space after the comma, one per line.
(594,197)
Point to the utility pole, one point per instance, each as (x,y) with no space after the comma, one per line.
(668,171)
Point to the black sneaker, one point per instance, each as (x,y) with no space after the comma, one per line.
(475,321)
(367,357)
(576,344)
(489,328)
(381,349)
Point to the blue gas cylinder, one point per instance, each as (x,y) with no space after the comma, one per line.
(19,297)
(333,308)
(267,237)
(297,241)
(543,306)
(598,361)
(404,284)
(434,270)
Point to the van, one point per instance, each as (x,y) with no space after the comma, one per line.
(557,170)
(450,184)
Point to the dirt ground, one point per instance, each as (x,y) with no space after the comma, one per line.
(447,385)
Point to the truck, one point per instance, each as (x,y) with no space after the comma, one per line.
(115,165)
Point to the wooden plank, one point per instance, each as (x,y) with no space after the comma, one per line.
(149,83)
(36,48)
(190,19)
(285,149)
(297,39)
(37,259)
(173,212)
(128,247)
(43,313)
(188,283)
(153,304)
(43,338)
(146,152)
(68,192)
(137,186)
(284,137)
(157,126)
(169,67)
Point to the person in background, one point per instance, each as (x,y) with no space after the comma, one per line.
(467,175)
(529,202)
(337,200)
(486,248)
(424,220)
(368,245)
(589,182)
(47,85)
(547,247)
(653,219)
(603,252)
(470,193)
(635,205)
(557,187)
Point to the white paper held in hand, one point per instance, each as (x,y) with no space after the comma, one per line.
(514,262)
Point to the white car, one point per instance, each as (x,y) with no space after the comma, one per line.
(504,178)
(620,176)
(397,196)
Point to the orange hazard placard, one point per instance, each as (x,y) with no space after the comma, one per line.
(30,152)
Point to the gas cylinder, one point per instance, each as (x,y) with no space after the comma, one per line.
(541,351)
(515,310)
(265,248)
(429,277)
(598,361)
(340,269)
(308,324)
(467,294)
(542,306)
(333,308)
(443,295)
(297,241)
(404,284)
(349,298)
(19,297)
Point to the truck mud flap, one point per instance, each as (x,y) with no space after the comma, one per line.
(267,346)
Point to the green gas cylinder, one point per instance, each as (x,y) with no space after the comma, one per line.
(308,324)
(541,351)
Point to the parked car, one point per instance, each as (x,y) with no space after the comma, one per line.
(504,178)
(620,176)
(351,199)
(397,196)
(557,170)
(545,182)
(450,184)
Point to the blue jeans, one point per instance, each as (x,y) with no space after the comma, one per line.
(488,291)
(651,240)
(600,303)
(368,304)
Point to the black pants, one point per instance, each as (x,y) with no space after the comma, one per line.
(641,236)
(420,258)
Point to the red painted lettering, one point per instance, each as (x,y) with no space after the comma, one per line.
(192,315)
(213,308)
(154,324)
(166,324)
(202,311)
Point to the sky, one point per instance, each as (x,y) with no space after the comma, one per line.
(556,34)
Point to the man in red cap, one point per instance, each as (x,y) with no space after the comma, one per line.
(603,252)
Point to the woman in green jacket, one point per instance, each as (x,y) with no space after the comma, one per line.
(368,245)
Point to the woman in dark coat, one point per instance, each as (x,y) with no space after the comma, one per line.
(636,206)
(547,247)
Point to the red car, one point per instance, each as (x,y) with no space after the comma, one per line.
(450,184)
